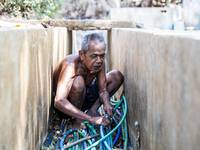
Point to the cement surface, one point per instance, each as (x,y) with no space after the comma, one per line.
(162,84)
(27,59)
(91,24)
(161,18)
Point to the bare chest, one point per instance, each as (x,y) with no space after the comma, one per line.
(89,79)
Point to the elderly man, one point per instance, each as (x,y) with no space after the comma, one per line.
(80,83)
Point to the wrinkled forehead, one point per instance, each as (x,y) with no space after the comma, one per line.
(97,45)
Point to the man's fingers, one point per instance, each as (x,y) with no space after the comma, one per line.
(108,121)
(110,113)
(105,121)
(103,112)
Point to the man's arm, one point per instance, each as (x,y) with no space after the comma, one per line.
(103,93)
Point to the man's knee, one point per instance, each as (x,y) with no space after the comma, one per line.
(117,76)
(78,85)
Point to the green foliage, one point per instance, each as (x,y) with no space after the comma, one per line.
(47,148)
(167,1)
(44,8)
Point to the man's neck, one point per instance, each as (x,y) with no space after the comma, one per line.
(83,69)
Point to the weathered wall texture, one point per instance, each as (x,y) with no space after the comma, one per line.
(27,57)
(191,13)
(162,84)
(161,18)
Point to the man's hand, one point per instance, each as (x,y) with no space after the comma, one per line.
(108,108)
(100,120)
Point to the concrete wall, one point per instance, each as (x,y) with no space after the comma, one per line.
(191,13)
(27,59)
(162,84)
(161,18)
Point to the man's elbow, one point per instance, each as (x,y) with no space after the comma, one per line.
(60,103)
(56,103)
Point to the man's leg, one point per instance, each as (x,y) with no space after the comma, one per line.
(77,96)
(114,81)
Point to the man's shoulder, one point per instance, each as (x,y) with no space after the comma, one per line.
(71,60)
(68,62)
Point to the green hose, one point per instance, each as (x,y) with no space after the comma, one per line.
(90,127)
(122,123)
(111,132)
(122,126)
(111,142)
(68,143)
(104,147)
(125,130)
(73,148)
(118,103)
(113,102)
(83,135)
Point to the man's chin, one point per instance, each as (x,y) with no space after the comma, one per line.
(95,71)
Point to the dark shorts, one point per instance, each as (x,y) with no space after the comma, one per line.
(92,94)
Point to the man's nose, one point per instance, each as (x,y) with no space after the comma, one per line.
(99,60)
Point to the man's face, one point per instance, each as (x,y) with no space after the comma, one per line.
(94,58)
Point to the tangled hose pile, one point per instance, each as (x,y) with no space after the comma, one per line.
(71,139)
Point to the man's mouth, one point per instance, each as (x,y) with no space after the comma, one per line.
(96,67)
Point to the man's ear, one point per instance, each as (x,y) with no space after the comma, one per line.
(81,54)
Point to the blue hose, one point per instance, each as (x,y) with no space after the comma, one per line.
(102,133)
(84,143)
(91,133)
(73,148)
(118,132)
(68,143)
(129,145)
(58,142)
(101,146)
(108,143)
(109,138)
(50,138)
(118,112)
(64,136)
(102,136)
(51,144)
(111,132)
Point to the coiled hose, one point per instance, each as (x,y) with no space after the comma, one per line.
(111,132)
(63,138)
(118,132)
(93,144)
(50,138)
(59,135)
(102,136)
